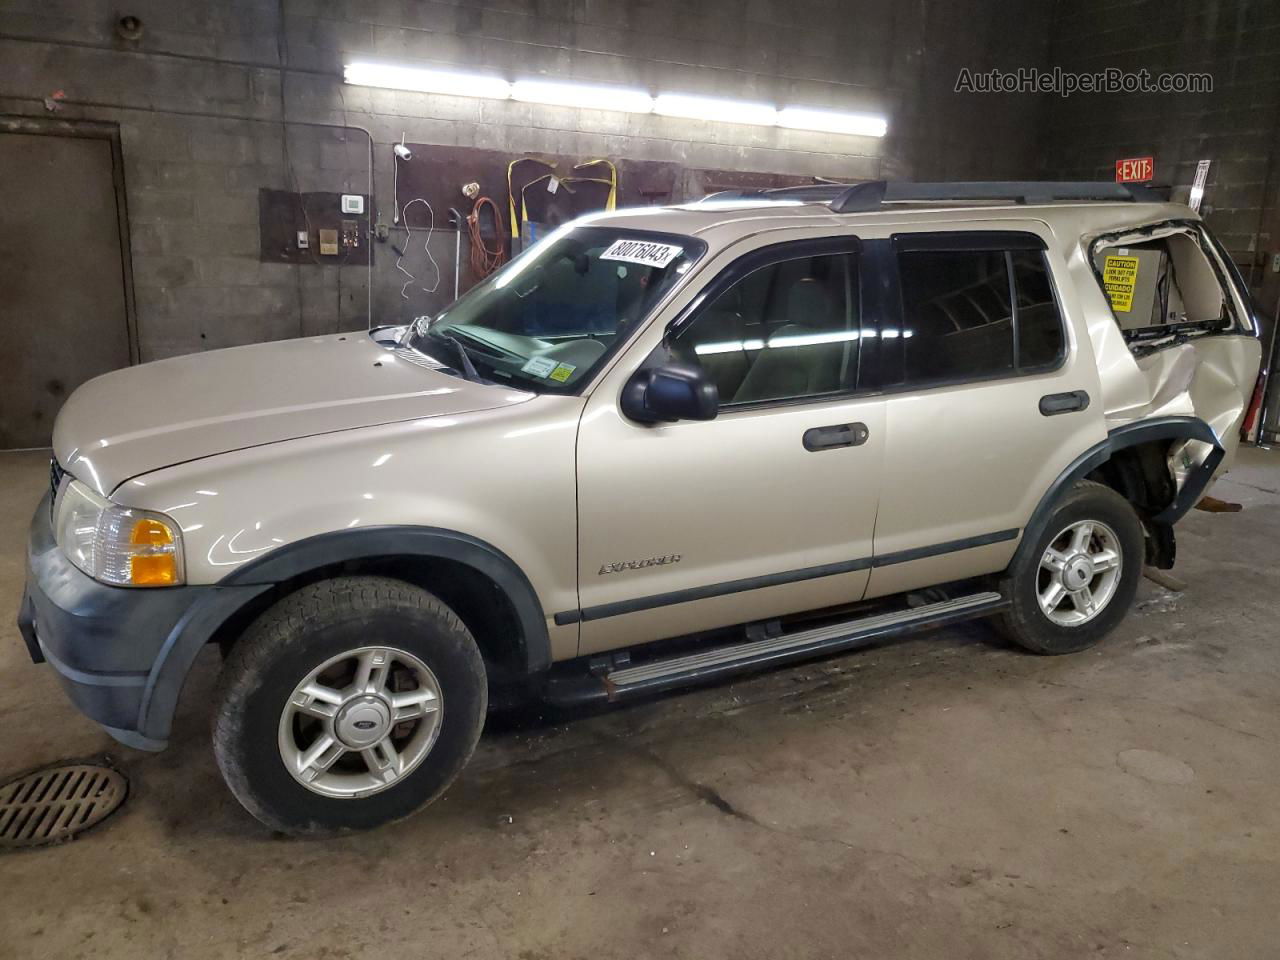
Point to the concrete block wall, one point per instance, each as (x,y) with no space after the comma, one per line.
(216,95)
(1236,126)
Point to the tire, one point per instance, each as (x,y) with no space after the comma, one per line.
(403,638)
(1071,627)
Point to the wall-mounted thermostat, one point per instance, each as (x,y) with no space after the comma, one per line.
(352,203)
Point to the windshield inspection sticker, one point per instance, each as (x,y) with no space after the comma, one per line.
(1120,276)
(539,366)
(642,251)
(549,369)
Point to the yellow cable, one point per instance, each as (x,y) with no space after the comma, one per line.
(612,202)
(518,220)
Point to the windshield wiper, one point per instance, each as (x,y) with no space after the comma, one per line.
(417,328)
(469,371)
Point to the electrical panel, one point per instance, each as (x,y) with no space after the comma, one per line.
(313,228)
(350,235)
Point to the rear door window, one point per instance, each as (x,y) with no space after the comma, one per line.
(1041,341)
(974,307)
(957,321)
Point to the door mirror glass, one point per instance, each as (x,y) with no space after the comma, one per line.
(671,392)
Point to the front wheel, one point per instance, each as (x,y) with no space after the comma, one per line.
(351,703)
(1079,580)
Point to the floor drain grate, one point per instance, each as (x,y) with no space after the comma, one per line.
(58,802)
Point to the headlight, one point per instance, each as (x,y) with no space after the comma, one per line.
(118,545)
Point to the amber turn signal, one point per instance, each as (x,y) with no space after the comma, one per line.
(155,560)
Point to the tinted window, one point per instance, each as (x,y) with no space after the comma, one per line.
(1040,339)
(957,322)
(786,330)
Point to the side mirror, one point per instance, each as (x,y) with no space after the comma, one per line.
(671,392)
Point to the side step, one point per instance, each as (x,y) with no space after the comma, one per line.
(719,662)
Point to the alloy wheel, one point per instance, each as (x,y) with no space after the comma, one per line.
(360,722)
(1079,572)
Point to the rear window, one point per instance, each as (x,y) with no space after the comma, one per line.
(1160,283)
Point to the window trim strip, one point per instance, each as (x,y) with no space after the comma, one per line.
(618,608)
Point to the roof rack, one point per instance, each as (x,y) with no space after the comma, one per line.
(871,196)
(809,193)
(876,194)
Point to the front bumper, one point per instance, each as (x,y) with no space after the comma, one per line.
(104,643)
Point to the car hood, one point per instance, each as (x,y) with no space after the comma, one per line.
(139,419)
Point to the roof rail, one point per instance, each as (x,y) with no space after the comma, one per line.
(863,197)
(810,193)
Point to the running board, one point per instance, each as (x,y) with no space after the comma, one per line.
(719,662)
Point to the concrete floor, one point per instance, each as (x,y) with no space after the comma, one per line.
(942,797)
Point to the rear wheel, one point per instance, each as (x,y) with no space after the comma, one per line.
(351,703)
(1079,581)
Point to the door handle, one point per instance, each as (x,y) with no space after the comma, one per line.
(839,435)
(1052,404)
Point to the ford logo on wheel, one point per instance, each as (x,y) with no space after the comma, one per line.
(364,724)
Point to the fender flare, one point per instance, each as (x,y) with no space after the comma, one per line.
(243,585)
(1129,435)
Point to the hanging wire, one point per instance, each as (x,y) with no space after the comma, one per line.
(431,226)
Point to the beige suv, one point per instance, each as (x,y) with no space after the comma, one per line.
(662,447)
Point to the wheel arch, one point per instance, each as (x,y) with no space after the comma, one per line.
(1111,452)
(485,587)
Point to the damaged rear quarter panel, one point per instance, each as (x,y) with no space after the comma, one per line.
(1210,376)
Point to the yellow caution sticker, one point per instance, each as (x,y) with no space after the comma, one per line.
(562,372)
(1120,276)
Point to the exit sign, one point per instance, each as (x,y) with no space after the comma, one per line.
(1135,170)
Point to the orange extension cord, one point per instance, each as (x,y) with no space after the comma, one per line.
(483,260)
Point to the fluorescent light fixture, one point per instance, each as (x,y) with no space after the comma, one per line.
(831,121)
(713,108)
(452,82)
(582,95)
(459,83)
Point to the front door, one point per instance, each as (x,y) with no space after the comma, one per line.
(768,509)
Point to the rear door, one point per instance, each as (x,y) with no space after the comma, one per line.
(990,394)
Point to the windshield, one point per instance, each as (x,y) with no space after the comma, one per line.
(552,316)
